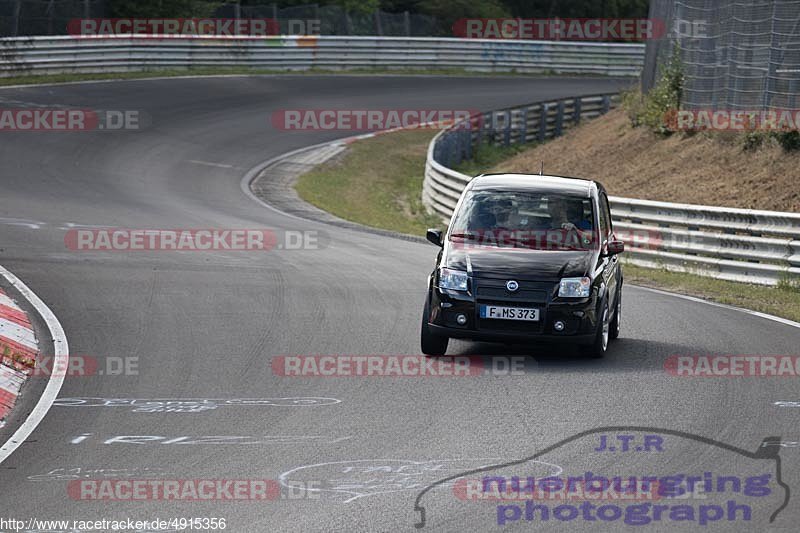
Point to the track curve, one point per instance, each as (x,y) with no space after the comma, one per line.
(207,325)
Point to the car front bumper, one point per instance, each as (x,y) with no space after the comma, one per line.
(578,316)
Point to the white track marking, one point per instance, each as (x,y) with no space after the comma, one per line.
(23,222)
(384,467)
(61,359)
(209,164)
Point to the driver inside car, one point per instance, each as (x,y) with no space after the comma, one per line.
(567,215)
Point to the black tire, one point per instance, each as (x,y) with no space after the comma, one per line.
(598,348)
(614,327)
(431,343)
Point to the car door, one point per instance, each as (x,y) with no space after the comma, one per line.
(610,263)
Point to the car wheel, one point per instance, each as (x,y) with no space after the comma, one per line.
(598,348)
(615,322)
(431,343)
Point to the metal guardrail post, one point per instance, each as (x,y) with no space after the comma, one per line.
(507,128)
(606,103)
(543,110)
(523,129)
(444,156)
(15,18)
(466,142)
(560,118)
(576,115)
(455,152)
(455,148)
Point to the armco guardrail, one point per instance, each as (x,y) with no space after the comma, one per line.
(726,243)
(50,55)
(733,244)
(530,123)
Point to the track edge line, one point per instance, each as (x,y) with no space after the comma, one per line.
(60,360)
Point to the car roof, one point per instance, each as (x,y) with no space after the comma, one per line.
(535,182)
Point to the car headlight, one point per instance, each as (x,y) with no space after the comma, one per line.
(575,287)
(452,279)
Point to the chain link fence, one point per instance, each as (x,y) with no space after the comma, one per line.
(50,17)
(735,54)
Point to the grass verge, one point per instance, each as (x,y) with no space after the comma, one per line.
(378,183)
(783,300)
(487,156)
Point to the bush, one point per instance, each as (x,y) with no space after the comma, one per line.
(789,140)
(753,140)
(652,110)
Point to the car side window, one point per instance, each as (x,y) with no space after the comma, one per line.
(605,218)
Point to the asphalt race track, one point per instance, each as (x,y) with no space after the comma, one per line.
(207,325)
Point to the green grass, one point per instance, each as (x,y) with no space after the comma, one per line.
(377,182)
(488,156)
(783,300)
(33,79)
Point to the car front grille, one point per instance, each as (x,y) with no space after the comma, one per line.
(495,289)
(531,294)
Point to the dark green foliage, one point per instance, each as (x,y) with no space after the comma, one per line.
(654,109)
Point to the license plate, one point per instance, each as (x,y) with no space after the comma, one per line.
(508,313)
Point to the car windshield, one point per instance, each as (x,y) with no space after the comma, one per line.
(539,220)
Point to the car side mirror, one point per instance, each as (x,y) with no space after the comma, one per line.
(435,236)
(615,247)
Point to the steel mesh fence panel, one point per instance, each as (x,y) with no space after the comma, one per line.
(735,54)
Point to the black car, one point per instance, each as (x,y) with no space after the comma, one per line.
(526,258)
